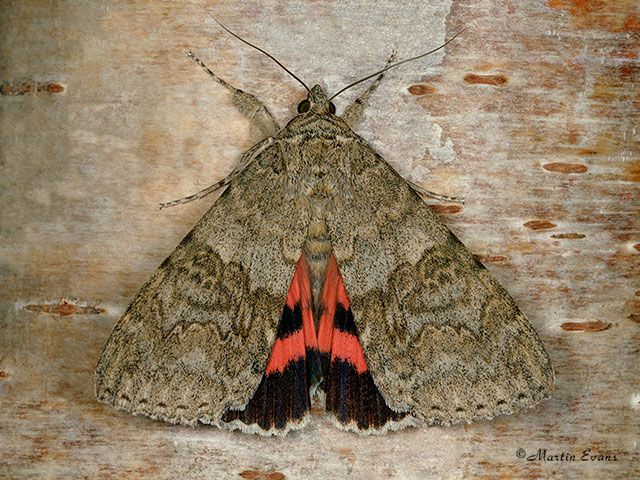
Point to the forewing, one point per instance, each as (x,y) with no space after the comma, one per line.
(443,340)
(196,338)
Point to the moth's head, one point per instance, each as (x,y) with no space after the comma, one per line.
(316,102)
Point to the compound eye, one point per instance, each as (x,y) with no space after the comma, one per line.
(304,106)
(332,108)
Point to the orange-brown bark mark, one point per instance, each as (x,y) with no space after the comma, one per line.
(568,235)
(559,167)
(594,326)
(539,225)
(605,16)
(258,475)
(498,80)
(421,89)
(445,209)
(63,309)
(492,258)
(29,87)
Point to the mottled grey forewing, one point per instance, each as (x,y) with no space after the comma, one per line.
(442,338)
(196,338)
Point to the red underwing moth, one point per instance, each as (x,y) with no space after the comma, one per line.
(320,274)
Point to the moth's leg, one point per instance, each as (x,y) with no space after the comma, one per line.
(437,196)
(250,106)
(261,119)
(246,159)
(353,113)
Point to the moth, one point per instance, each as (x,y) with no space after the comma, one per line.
(320,276)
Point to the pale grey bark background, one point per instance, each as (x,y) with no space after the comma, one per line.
(542,142)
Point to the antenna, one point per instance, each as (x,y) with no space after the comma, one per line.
(398,63)
(266,53)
